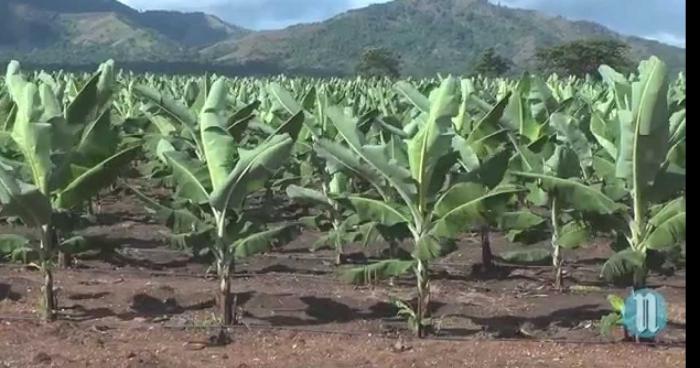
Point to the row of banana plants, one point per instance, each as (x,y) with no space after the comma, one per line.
(414,164)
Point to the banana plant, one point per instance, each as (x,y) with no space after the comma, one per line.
(528,108)
(170,124)
(643,141)
(568,198)
(341,225)
(344,227)
(414,193)
(556,173)
(483,155)
(216,181)
(615,318)
(67,157)
(15,248)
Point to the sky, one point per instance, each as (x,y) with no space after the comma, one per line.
(662,20)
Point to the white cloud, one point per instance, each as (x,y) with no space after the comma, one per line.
(668,38)
(169,4)
(662,20)
(233,4)
(259,14)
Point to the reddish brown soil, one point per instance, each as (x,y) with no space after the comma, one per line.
(66,344)
(150,306)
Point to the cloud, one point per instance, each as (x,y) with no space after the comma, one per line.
(259,14)
(668,38)
(662,20)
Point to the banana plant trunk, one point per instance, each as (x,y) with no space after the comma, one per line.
(335,216)
(393,247)
(63,259)
(268,199)
(639,275)
(423,302)
(557,260)
(486,254)
(225,299)
(48,299)
(96,203)
(557,263)
(339,255)
(640,278)
(224,265)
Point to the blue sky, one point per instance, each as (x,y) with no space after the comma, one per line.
(662,20)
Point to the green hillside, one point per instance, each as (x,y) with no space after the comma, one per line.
(430,35)
(87,31)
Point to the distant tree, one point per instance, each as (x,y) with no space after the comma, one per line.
(379,62)
(491,64)
(584,57)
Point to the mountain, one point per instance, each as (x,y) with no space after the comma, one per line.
(86,31)
(430,35)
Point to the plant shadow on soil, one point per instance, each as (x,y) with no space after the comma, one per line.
(86,296)
(322,311)
(118,217)
(315,311)
(497,272)
(509,326)
(142,305)
(280,268)
(120,260)
(7,293)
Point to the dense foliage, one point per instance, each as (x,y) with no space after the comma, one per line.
(379,62)
(491,64)
(582,57)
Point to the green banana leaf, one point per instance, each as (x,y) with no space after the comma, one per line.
(667,226)
(377,271)
(433,139)
(575,193)
(95,178)
(622,264)
(253,168)
(573,234)
(284,98)
(375,156)
(308,196)
(259,242)
(466,205)
(218,145)
(379,211)
(23,200)
(539,256)
(191,176)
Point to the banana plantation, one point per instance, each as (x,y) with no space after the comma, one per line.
(373,205)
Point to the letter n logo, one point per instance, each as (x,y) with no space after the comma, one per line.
(644,314)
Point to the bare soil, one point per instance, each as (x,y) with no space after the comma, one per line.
(147,305)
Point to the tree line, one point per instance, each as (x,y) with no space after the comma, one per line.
(578,58)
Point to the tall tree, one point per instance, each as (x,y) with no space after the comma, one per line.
(583,57)
(379,62)
(491,64)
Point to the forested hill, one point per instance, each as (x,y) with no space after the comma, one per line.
(430,36)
